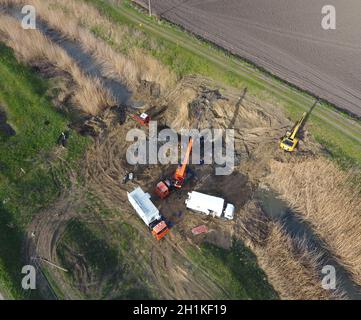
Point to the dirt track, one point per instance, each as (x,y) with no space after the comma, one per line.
(285,38)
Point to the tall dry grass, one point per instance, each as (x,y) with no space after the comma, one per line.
(324,196)
(291,268)
(32,45)
(78,17)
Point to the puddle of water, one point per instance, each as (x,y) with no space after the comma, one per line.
(278,210)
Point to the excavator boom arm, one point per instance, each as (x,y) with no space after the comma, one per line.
(180,173)
(298,126)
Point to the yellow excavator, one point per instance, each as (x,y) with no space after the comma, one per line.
(290,141)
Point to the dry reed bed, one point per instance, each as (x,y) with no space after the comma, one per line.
(32,45)
(292,268)
(127,69)
(324,196)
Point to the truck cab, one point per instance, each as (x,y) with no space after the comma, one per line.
(289,144)
(159,229)
(229,211)
(148,212)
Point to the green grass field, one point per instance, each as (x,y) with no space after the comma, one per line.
(236,270)
(26,176)
(107,260)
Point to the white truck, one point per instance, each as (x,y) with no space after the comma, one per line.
(148,212)
(210,205)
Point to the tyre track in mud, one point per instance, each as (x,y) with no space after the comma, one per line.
(45,231)
(103,172)
(105,166)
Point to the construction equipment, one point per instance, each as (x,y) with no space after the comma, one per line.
(290,141)
(164,188)
(148,212)
(143,119)
(210,205)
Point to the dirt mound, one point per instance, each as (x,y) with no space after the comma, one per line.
(149,88)
(194,105)
(197,103)
(97,125)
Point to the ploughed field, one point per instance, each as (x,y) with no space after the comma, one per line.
(285,37)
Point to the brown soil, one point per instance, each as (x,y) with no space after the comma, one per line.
(257,132)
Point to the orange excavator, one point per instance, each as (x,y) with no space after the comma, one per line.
(165,187)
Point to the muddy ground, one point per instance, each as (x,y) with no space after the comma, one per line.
(166,265)
(285,37)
